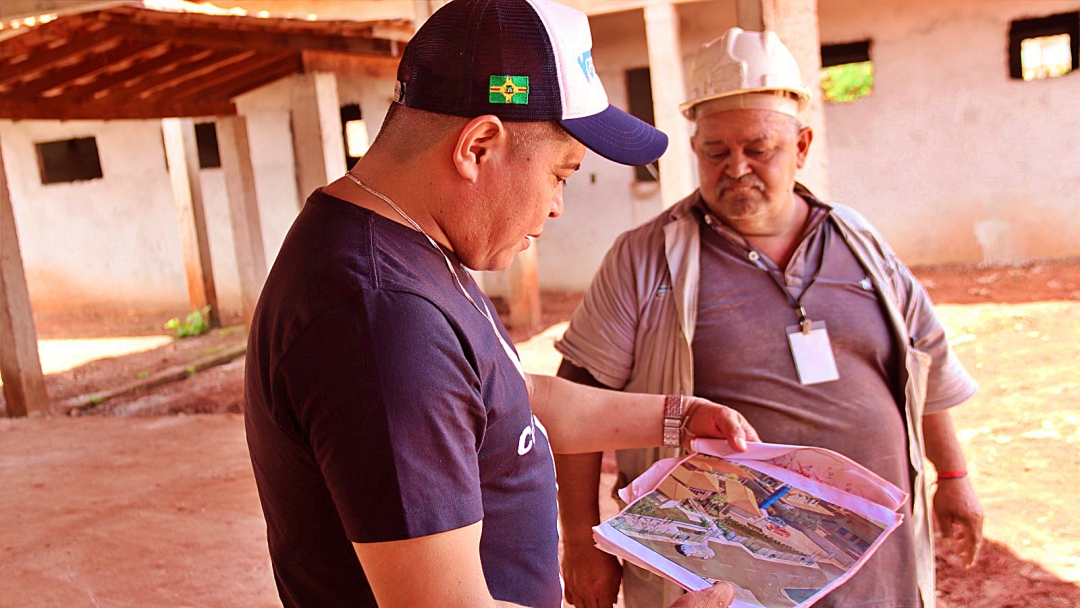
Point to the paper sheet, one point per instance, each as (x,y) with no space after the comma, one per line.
(785,524)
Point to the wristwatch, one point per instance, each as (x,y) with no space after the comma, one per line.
(673,410)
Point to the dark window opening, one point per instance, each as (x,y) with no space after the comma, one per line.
(839,54)
(353,133)
(847,73)
(206,142)
(1045,47)
(69,160)
(639,92)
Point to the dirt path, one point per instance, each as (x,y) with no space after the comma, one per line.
(107,512)
(143,509)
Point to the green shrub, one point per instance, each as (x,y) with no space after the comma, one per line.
(197,322)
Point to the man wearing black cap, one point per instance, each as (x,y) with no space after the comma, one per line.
(397,457)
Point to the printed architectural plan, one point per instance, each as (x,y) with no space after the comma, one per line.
(781,535)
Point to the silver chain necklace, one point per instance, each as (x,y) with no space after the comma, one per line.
(412,222)
(449,265)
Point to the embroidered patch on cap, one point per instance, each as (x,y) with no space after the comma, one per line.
(508,90)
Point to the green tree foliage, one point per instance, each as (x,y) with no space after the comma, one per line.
(847,82)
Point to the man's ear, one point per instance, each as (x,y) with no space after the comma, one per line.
(476,142)
(802,145)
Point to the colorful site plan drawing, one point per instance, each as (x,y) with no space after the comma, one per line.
(711,519)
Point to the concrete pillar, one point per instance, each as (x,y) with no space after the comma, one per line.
(20,365)
(243,210)
(678,174)
(182,153)
(524,296)
(796,22)
(424,9)
(316,123)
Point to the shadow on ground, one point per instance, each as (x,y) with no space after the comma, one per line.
(1001,579)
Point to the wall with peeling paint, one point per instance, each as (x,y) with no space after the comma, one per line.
(111,246)
(951,159)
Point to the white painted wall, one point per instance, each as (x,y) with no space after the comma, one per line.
(373,95)
(603,199)
(951,159)
(111,245)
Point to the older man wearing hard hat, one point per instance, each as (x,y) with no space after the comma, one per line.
(753,293)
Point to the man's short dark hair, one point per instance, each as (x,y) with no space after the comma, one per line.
(526,137)
(406,132)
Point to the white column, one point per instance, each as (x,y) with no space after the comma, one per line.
(243,209)
(317,141)
(678,176)
(796,22)
(182,153)
(20,365)
(524,298)
(424,9)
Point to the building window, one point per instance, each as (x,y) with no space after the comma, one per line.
(206,142)
(639,92)
(354,133)
(847,73)
(1046,47)
(69,160)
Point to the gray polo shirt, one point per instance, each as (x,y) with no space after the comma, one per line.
(741,303)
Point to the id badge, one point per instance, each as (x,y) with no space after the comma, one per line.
(813,354)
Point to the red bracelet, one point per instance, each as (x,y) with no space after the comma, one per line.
(952,474)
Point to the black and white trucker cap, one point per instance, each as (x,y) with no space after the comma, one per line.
(523,61)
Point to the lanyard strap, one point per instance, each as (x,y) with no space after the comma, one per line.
(796,303)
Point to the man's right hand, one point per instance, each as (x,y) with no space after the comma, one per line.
(592,576)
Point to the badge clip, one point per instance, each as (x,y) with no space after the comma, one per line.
(805,324)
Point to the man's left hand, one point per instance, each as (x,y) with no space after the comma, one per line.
(959,517)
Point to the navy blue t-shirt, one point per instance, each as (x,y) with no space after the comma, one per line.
(381,406)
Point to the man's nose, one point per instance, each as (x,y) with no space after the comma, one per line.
(557,204)
(736,165)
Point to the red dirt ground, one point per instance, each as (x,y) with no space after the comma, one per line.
(88,523)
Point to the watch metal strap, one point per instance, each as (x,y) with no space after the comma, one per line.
(673,409)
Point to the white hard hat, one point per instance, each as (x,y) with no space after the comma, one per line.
(745,70)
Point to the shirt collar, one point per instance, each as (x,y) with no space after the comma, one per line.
(819,211)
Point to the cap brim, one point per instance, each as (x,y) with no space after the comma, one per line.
(618,136)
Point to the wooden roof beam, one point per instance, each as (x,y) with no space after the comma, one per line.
(389,29)
(235,76)
(258,79)
(47,35)
(103,63)
(174,68)
(110,84)
(43,57)
(353,66)
(179,76)
(58,109)
(258,40)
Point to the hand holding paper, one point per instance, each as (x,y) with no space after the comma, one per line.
(704,418)
(783,524)
(719,595)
